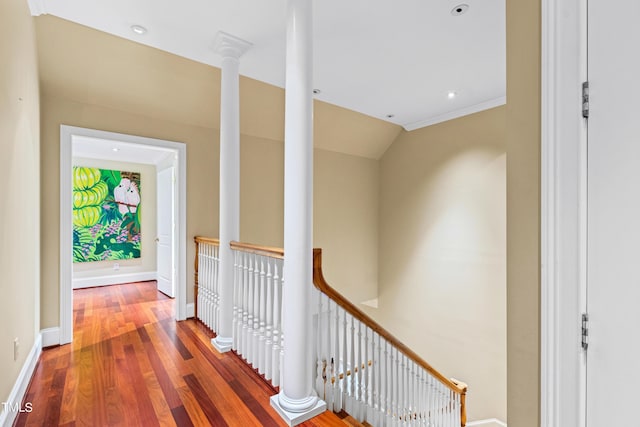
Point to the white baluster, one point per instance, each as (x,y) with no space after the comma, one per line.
(203,283)
(335,360)
(237,294)
(249,332)
(377,380)
(365,400)
(251,307)
(262,336)
(344,363)
(245,312)
(415,394)
(256,313)
(277,324)
(388,378)
(268,343)
(401,389)
(438,405)
(237,297)
(360,374)
(215,285)
(208,287)
(328,355)
(425,398)
(281,357)
(321,362)
(353,388)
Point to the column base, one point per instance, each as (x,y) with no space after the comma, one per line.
(222,344)
(295,418)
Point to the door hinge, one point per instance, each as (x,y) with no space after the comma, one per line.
(585,100)
(585,331)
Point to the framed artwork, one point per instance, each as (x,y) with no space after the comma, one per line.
(106,214)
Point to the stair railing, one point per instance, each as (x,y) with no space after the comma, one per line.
(367,372)
(206,290)
(257,310)
(361,368)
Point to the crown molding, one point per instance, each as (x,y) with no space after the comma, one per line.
(496,102)
(37,7)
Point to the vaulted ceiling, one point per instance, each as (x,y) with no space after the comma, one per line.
(376,57)
(378,64)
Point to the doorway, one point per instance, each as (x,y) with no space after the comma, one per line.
(104,142)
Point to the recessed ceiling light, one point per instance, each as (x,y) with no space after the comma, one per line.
(316,91)
(390,116)
(138,29)
(115,149)
(452,94)
(460,9)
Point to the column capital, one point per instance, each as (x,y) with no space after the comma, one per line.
(230,46)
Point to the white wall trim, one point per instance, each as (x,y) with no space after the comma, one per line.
(191,310)
(66,265)
(66,239)
(22,382)
(37,7)
(563,213)
(496,102)
(492,422)
(115,279)
(50,337)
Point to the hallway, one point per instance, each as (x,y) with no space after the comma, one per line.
(130,364)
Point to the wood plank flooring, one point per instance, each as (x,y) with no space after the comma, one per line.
(130,364)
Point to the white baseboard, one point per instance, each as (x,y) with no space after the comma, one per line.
(191,310)
(11,407)
(493,422)
(50,336)
(114,279)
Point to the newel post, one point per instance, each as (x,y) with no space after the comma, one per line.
(231,49)
(297,401)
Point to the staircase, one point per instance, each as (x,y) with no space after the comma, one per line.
(363,373)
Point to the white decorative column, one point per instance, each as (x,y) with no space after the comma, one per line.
(231,48)
(297,401)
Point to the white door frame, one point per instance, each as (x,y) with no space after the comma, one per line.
(563,213)
(66,241)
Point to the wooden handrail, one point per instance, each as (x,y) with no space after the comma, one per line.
(323,286)
(209,240)
(269,251)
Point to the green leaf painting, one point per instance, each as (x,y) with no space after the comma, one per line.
(106,214)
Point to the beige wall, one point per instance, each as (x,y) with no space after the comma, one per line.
(147,261)
(20,206)
(139,95)
(523,212)
(345,225)
(345,205)
(443,251)
(202,178)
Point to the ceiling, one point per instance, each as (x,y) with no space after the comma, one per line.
(392,60)
(118,151)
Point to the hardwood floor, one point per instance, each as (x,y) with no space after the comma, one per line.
(130,364)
